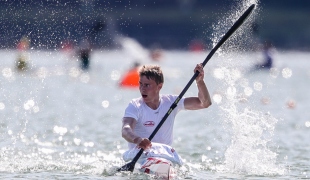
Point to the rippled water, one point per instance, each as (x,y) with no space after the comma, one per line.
(58,122)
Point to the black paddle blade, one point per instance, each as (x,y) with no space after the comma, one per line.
(127,167)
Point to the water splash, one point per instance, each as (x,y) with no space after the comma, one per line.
(249,151)
(251,131)
(49,158)
(240,40)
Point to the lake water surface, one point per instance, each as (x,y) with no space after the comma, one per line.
(57,122)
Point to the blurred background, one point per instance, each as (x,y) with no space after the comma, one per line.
(173,24)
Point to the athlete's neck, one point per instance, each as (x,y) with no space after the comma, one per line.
(153,104)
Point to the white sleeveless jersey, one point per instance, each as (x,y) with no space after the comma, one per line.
(148,119)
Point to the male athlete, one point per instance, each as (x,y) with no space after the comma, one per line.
(144,113)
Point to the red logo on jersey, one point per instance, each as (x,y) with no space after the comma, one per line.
(149,124)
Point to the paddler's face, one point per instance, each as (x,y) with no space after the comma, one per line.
(149,89)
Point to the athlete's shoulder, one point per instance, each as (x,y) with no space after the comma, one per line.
(168,97)
(137,102)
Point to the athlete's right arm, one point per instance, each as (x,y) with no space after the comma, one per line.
(128,134)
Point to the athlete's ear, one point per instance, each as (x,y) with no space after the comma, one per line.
(160,86)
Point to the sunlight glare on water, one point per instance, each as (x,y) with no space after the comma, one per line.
(258,86)
(286,72)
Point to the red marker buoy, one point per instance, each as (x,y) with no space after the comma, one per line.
(130,79)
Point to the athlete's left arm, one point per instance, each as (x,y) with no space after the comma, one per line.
(203,100)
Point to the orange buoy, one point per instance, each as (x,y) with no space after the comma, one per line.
(130,79)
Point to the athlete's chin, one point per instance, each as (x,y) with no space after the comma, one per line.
(145,100)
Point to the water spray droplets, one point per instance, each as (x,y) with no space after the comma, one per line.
(77,141)
(10,132)
(249,150)
(258,86)
(274,72)
(217,98)
(230,75)
(42,72)
(248,91)
(115,75)
(218,73)
(29,104)
(74,72)
(34,108)
(307,124)
(231,92)
(84,78)
(60,130)
(287,73)
(105,104)
(7,72)
(2,106)
(251,131)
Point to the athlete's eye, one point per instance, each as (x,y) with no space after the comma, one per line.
(144,85)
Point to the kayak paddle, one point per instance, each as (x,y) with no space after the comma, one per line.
(130,166)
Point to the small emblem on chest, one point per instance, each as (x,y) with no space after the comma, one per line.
(149,124)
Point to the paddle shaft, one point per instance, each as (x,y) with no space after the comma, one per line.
(236,25)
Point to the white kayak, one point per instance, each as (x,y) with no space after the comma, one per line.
(160,167)
(160,160)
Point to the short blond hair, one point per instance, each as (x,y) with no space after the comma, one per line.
(153,72)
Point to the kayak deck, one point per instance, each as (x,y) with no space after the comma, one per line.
(161,168)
